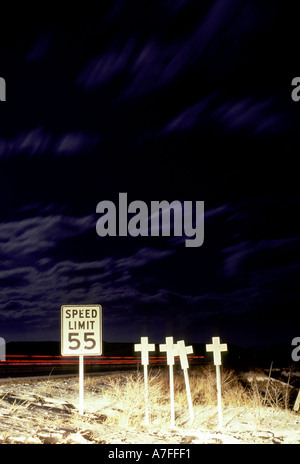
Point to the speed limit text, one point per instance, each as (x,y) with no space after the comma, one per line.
(85,313)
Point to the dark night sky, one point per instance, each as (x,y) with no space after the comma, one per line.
(165,100)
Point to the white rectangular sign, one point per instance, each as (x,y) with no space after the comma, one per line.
(81,330)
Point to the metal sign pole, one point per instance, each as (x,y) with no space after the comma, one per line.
(81,335)
(81,380)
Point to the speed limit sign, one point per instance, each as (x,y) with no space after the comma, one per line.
(81,330)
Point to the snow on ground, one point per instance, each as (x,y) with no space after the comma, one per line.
(46,411)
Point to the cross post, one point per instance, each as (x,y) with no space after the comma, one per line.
(216,347)
(183,351)
(172,351)
(145,347)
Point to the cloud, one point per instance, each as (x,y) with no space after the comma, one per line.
(261,255)
(40,142)
(144,62)
(259,275)
(248,113)
(41,47)
(229,115)
(34,284)
(39,234)
(103,68)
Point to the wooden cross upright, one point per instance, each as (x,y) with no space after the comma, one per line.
(145,347)
(216,347)
(172,351)
(183,352)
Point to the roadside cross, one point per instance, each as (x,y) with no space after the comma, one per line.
(171,349)
(216,347)
(183,352)
(145,347)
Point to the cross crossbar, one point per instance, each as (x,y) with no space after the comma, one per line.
(216,347)
(144,347)
(183,352)
(171,349)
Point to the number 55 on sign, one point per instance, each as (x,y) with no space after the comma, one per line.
(81,330)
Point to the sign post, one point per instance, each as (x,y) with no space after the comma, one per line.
(81,334)
(183,351)
(81,383)
(145,347)
(216,347)
(172,351)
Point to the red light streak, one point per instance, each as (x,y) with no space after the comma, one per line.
(47,360)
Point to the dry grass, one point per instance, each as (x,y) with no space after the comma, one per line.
(126,393)
(118,403)
(204,392)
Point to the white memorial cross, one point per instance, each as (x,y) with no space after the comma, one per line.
(145,347)
(216,347)
(183,352)
(172,351)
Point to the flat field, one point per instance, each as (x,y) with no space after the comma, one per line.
(256,409)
